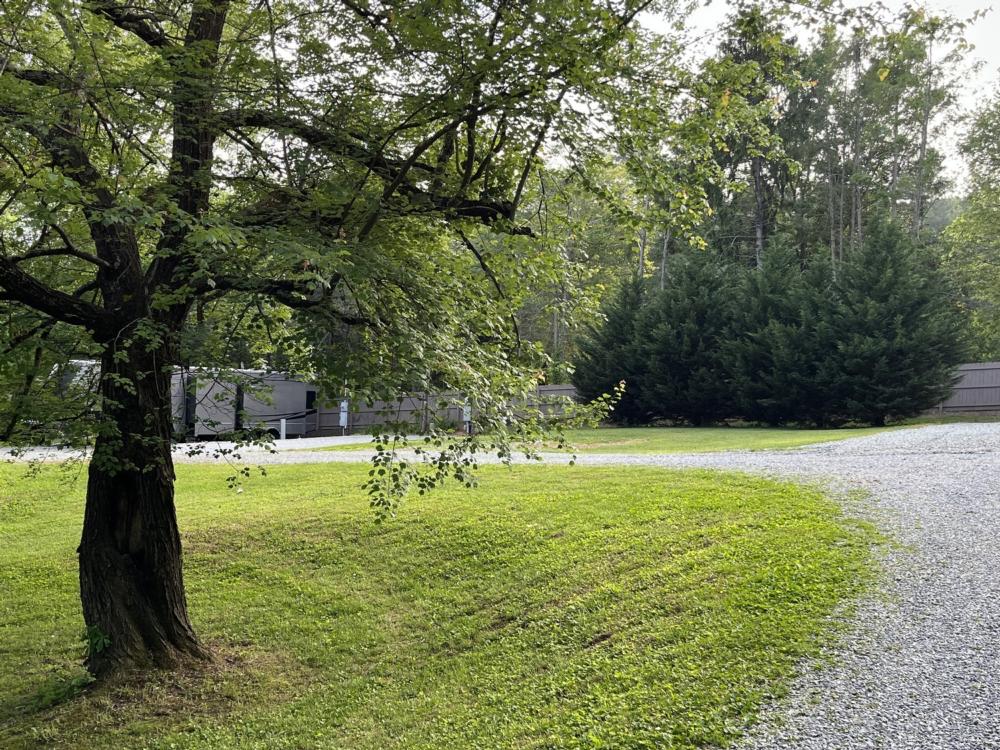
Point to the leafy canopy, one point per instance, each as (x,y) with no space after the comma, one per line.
(339,186)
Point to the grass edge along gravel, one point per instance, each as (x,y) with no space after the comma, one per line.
(552,607)
(670,440)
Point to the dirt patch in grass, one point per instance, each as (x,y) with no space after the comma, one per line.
(71,708)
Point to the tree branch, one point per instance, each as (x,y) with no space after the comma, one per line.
(65,148)
(492,277)
(34,76)
(393,171)
(16,341)
(482,263)
(141,24)
(22,287)
(289,292)
(67,251)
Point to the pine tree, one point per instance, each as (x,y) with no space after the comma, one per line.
(607,354)
(763,329)
(784,362)
(681,340)
(900,333)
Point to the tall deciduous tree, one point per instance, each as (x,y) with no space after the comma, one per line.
(338,158)
(971,245)
(756,44)
(852,124)
(595,244)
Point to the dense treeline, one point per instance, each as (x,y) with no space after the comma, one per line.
(971,243)
(877,340)
(854,120)
(819,288)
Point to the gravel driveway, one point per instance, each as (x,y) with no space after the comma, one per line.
(920,667)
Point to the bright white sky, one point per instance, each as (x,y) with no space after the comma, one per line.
(984,35)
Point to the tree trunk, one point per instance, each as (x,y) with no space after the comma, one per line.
(919,193)
(896,158)
(24,392)
(642,241)
(131,584)
(856,147)
(760,210)
(663,259)
(833,215)
(843,183)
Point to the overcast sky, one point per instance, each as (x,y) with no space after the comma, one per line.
(984,35)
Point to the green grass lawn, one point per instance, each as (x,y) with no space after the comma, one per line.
(689,439)
(553,607)
(705,439)
(973,417)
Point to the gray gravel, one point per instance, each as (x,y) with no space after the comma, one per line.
(919,668)
(920,665)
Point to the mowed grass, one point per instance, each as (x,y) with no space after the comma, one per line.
(705,439)
(685,439)
(552,607)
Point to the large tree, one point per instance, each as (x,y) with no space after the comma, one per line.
(970,241)
(338,158)
(850,127)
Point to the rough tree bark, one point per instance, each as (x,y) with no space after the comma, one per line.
(131,580)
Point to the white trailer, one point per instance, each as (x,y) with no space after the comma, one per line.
(206,406)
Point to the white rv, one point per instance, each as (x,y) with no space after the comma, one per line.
(205,406)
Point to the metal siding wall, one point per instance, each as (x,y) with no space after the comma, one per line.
(978,389)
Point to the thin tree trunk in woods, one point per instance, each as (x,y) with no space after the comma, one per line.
(555,332)
(855,198)
(831,204)
(24,391)
(859,216)
(760,207)
(663,260)
(856,152)
(642,242)
(131,584)
(894,172)
(920,187)
(642,253)
(843,201)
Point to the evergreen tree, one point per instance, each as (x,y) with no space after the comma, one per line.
(681,339)
(797,380)
(900,335)
(607,354)
(765,308)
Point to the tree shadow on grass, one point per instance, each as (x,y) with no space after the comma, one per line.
(69,706)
